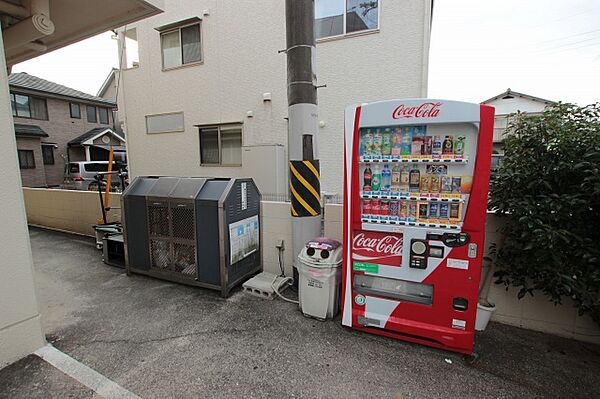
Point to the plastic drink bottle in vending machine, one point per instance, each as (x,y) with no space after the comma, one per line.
(406,142)
(376,179)
(436,149)
(396,179)
(367,178)
(368,139)
(417,146)
(386,179)
(397,143)
(404,180)
(377,143)
(448,145)
(427,144)
(386,143)
(415,180)
(459,146)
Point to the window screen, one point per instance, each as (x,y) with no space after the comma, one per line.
(209,146)
(171,49)
(190,41)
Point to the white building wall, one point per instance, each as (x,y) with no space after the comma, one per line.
(241,62)
(20,326)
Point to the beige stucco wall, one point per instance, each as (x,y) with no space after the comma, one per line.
(535,313)
(241,62)
(20,327)
(67,210)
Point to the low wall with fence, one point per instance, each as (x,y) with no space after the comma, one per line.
(77,211)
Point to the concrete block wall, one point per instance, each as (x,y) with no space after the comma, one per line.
(534,313)
(77,211)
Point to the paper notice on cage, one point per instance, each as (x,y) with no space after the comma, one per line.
(244,196)
(244,238)
(458,264)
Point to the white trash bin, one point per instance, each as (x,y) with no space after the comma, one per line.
(320,276)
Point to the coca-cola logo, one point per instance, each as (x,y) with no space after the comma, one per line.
(425,110)
(376,246)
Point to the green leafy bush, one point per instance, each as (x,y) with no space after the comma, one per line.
(548,193)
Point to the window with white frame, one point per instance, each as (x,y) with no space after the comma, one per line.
(181,46)
(221,145)
(340,17)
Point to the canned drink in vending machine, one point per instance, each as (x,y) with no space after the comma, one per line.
(423,211)
(455,213)
(443,213)
(434,209)
(366,211)
(434,188)
(403,210)
(446,185)
(384,213)
(375,209)
(456,184)
(412,211)
(425,186)
(394,208)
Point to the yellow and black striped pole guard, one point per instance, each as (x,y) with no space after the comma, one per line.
(305,188)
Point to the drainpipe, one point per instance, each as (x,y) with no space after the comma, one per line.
(35,27)
(305,191)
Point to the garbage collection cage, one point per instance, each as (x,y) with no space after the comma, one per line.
(193,230)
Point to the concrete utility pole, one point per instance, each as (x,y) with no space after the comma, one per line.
(305,189)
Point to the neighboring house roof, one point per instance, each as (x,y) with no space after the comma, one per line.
(29,130)
(510,93)
(91,135)
(25,81)
(107,82)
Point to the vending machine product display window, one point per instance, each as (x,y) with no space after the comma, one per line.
(416,185)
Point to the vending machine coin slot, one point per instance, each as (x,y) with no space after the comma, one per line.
(418,254)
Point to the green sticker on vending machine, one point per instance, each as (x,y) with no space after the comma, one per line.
(365,267)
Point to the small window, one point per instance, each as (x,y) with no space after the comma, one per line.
(339,17)
(75,110)
(165,123)
(26,159)
(48,154)
(103,115)
(221,145)
(181,46)
(91,114)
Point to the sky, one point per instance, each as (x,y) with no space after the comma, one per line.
(545,48)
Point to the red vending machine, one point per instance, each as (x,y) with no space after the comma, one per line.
(416,183)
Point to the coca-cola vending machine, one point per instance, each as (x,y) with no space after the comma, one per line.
(416,183)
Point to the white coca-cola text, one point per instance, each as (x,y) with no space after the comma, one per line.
(388,245)
(425,110)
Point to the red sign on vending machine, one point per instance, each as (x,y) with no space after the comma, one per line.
(415,197)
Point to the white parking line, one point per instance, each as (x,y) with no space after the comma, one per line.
(85,375)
